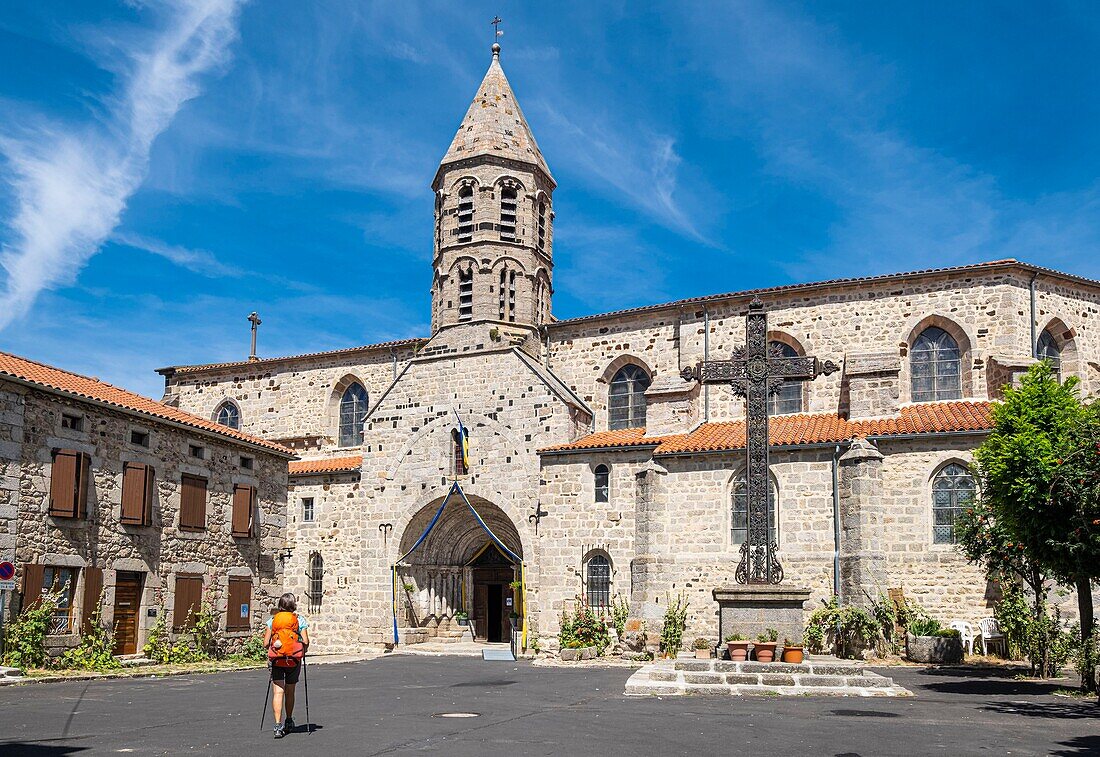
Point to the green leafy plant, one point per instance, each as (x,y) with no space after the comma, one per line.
(620,611)
(516,585)
(96,648)
(701,643)
(735,637)
(672,634)
(842,628)
(582,628)
(462,615)
(924,626)
(25,637)
(1014,618)
(791,642)
(815,637)
(253,649)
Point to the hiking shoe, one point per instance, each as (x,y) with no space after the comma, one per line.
(279,732)
(288,726)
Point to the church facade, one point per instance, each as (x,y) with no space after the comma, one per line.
(595,462)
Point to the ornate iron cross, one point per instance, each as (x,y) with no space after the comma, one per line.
(754,372)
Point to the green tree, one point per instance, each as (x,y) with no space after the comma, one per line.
(1024,464)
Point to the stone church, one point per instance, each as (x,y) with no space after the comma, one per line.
(595,462)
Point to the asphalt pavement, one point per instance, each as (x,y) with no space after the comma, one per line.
(396,706)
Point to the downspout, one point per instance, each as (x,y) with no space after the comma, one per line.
(1034,336)
(836,522)
(706,356)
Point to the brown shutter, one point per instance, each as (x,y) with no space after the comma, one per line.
(93,588)
(244,499)
(63,477)
(83,481)
(136,478)
(188,598)
(192,503)
(150,494)
(240,594)
(32,583)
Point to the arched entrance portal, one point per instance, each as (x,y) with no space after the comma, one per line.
(458,568)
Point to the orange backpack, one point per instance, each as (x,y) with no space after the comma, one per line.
(286,647)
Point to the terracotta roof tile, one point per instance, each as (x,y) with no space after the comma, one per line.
(793,430)
(173,369)
(57,379)
(326,465)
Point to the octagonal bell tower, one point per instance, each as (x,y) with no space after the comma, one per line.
(494,217)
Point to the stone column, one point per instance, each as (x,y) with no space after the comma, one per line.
(649,539)
(862,537)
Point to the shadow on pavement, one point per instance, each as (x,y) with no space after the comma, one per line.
(1079,745)
(304,729)
(1067,710)
(22,749)
(978,671)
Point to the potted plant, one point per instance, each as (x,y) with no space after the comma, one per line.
(702,649)
(764,648)
(462,618)
(792,651)
(738,647)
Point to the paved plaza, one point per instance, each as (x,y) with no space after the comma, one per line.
(391,706)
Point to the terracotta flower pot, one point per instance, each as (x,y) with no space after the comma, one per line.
(793,654)
(764,650)
(702,654)
(739,650)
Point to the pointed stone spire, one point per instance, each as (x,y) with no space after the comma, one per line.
(494,124)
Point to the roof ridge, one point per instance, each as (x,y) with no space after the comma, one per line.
(51,367)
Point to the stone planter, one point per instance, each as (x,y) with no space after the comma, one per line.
(702,654)
(934,650)
(578,653)
(739,650)
(764,651)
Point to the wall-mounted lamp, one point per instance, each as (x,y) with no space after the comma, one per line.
(284,553)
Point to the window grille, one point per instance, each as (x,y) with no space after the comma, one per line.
(739,511)
(788,399)
(465,295)
(465,214)
(353,411)
(508,214)
(936,366)
(597,582)
(626,401)
(952,491)
(1047,349)
(603,483)
(228,415)
(63,582)
(316,581)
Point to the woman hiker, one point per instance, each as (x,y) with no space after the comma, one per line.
(286,640)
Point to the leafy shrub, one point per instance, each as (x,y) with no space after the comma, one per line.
(701,643)
(582,628)
(948,633)
(672,634)
(735,637)
(770,635)
(25,637)
(96,648)
(620,611)
(160,648)
(253,649)
(1014,617)
(924,626)
(842,628)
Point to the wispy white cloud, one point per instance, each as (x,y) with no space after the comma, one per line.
(72,184)
(202,262)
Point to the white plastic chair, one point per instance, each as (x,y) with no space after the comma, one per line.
(966,631)
(991,634)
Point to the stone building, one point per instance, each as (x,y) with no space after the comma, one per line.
(107,495)
(595,462)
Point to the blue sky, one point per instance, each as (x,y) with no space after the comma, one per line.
(166,168)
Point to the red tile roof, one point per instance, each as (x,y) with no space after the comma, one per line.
(793,430)
(174,369)
(326,465)
(56,379)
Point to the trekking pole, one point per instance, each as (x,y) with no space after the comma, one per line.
(267,693)
(305,682)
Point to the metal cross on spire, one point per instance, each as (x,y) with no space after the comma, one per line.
(754,372)
(254,319)
(496,22)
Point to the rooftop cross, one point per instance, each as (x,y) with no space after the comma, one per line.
(754,372)
(254,319)
(497,33)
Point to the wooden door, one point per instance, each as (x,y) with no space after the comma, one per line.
(481,609)
(127,607)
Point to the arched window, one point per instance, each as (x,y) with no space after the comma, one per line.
(626,402)
(228,415)
(353,411)
(603,483)
(465,214)
(739,510)
(508,214)
(936,366)
(597,583)
(952,492)
(1047,349)
(789,397)
(316,581)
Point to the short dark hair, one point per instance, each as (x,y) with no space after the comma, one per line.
(287,603)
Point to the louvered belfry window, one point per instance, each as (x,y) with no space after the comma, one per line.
(508,214)
(937,366)
(465,214)
(626,400)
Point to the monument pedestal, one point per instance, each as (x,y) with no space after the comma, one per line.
(750,609)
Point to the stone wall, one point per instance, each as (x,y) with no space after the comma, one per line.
(30,428)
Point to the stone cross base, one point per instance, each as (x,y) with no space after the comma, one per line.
(751,609)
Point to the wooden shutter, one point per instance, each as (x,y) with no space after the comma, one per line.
(63,483)
(93,588)
(240,594)
(137,494)
(192,503)
(32,583)
(188,599)
(83,481)
(244,501)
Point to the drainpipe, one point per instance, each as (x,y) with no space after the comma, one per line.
(706,356)
(1034,336)
(836,521)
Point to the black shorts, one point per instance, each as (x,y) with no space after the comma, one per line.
(289,675)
